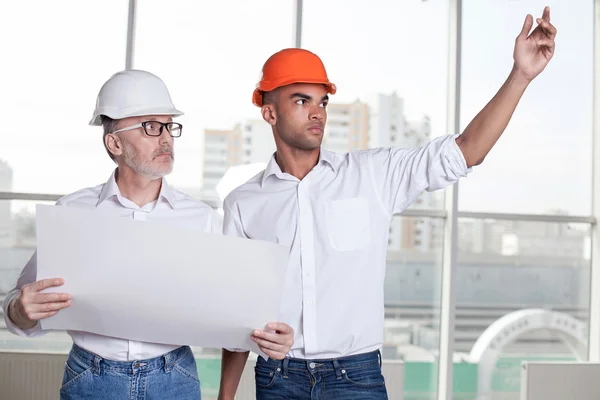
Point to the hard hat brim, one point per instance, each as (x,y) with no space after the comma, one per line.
(257,96)
(120,114)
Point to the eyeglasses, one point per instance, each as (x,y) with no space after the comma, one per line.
(155,128)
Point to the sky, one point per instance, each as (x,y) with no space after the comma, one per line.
(210,55)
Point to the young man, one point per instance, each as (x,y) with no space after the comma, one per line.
(135,109)
(334,210)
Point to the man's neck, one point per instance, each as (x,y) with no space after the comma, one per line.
(296,162)
(137,188)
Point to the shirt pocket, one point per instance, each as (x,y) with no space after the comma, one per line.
(348,223)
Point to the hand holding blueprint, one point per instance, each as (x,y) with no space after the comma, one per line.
(152,282)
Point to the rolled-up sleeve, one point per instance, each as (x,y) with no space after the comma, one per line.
(400,175)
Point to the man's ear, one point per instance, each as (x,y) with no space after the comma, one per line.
(269,114)
(113,144)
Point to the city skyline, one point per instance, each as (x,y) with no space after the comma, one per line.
(498,239)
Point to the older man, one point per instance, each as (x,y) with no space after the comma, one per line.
(136,111)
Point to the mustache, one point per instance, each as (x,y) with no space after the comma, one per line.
(163,150)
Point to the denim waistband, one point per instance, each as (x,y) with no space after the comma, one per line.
(166,361)
(348,362)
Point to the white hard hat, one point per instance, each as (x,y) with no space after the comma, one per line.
(133,93)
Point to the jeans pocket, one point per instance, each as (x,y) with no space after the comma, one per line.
(73,374)
(265,376)
(365,376)
(188,369)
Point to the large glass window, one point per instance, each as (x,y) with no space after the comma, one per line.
(525,287)
(528,282)
(211,57)
(56,57)
(543,162)
(412,300)
(387,75)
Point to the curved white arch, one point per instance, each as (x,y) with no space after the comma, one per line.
(487,349)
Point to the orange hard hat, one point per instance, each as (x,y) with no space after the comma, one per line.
(291,66)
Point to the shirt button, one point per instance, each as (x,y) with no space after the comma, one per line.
(309,302)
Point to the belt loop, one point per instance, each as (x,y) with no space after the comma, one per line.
(168,363)
(380,358)
(338,370)
(96,367)
(286,363)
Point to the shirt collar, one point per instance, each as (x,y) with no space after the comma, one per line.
(111,189)
(273,168)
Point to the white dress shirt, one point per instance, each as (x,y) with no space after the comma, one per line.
(335,222)
(172,206)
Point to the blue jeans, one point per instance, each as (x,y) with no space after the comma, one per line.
(170,376)
(348,378)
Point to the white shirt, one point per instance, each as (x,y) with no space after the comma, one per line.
(173,206)
(335,222)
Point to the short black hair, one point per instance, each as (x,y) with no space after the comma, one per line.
(270,97)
